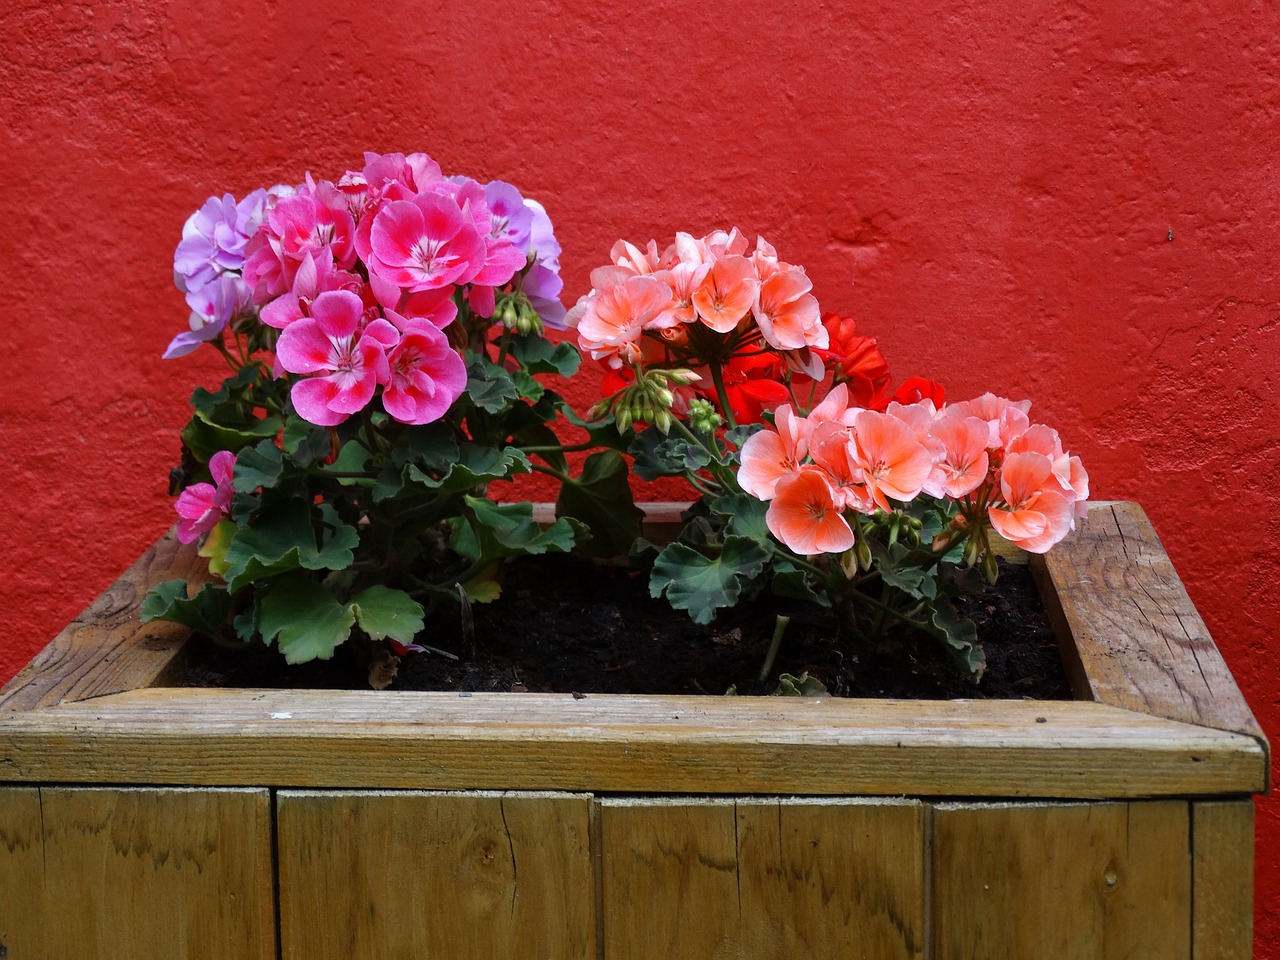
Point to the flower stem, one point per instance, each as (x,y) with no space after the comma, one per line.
(717,377)
(779,628)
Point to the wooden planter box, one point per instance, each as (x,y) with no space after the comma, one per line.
(144,821)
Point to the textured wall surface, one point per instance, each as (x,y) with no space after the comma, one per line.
(1075,202)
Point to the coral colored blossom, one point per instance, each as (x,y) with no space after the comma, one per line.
(727,293)
(201,505)
(611,325)
(804,516)
(893,462)
(787,313)
(770,455)
(965,461)
(1035,514)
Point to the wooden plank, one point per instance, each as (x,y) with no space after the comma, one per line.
(107,649)
(319,738)
(1222,880)
(1140,643)
(1060,882)
(460,876)
(21,873)
(156,874)
(762,878)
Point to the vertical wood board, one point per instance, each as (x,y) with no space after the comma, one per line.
(156,874)
(21,873)
(1222,880)
(455,876)
(804,880)
(1106,881)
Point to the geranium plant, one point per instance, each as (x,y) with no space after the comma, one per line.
(384,333)
(816,478)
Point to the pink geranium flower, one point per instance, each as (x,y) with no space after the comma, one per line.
(425,374)
(611,323)
(423,243)
(804,515)
(343,367)
(771,455)
(727,293)
(788,313)
(201,505)
(965,461)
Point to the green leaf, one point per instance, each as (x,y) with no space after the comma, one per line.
(489,386)
(701,585)
(284,538)
(738,435)
(670,456)
(801,686)
(352,458)
(960,635)
(601,499)
(204,613)
(304,442)
(476,465)
(744,517)
(431,446)
(496,530)
(790,581)
(205,438)
(383,612)
(526,387)
(539,355)
(258,466)
(303,619)
(896,569)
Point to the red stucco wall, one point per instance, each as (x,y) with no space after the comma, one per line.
(1074,202)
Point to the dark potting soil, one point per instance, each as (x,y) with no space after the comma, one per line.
(566,625)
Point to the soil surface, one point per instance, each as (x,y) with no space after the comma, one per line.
(566,625)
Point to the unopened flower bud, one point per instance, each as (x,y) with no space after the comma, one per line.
(662,420)
(601,408)
(682,376)
(864,553)
(664,398)
(622,417)
(989,568)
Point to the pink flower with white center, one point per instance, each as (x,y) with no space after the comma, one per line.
(201,505)
(343,366)
(425,374)
(435,306)
(315,275)
(313,221)
(1035,513)
(423,243)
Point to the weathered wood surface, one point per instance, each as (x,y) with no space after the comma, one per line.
(318,738)
(144,874)
(762,878)
(21,874)
(107,649)
(1222,880)
(1061,882)
(467,877)
(1138,641)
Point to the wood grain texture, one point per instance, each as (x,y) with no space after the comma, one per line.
(1060,882)
(458,876)
(153,875)
(1139,641)
(1222,880)
(21,874)
(321,738)
(107,649)
(762,878)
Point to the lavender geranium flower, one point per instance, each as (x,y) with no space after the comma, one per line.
(542,284)
(213,306)
(213,239)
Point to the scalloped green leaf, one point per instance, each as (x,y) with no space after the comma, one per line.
(539,355)
(284,538)
(303,619)
(600,498)
(702,585)
(204,613)
(383,612)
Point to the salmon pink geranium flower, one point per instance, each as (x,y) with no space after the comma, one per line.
(803,515)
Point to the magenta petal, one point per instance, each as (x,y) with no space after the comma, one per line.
(337,312)
(304,348)
(441,216)
(383,333)
(281,311)
(482,300)
(222,464)
(353,391)
(311,399)
(502,261)
(397,228)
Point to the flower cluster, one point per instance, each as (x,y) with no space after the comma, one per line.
(984,455)
(361,277)
(385,333)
